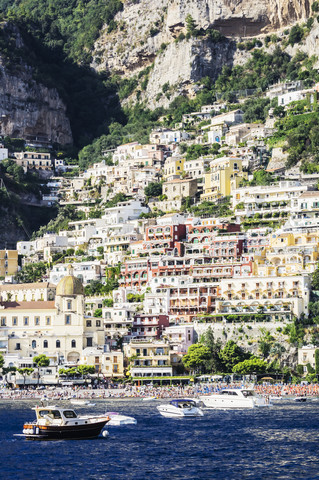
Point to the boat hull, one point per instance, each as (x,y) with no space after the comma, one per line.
(57,432)
(170,412)
(215,401)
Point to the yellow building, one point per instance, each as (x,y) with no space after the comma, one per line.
(149,358)
(225,174)
(109,364)
(8,262)
(173,166)
(289,254)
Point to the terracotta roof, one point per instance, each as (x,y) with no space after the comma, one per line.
(39,305)
(26,286)
(311,193)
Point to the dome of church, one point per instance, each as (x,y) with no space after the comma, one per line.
(70,285)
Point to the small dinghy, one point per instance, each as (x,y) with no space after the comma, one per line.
(116,419)
(82,403)
(300,399)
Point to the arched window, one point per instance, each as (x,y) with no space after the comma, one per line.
(58,344)
(73,343)
(45,344)
(34,344)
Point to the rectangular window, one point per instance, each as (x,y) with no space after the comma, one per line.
(14,321)
(115,368)
(26,321)
(48,320)
(98,323)
(18,346)
(69,304)
(89,342)
(115,359)
(88,323)
(3,321)
(67,319)
(37,321)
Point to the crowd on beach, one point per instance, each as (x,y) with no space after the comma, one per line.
(151,391)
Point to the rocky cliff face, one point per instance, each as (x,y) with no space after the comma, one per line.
(238,17)
(147,36)
(29,109)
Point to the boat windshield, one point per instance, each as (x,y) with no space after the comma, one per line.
(183,403)
(228,392)
(248,393)
(50,413)
(69,414)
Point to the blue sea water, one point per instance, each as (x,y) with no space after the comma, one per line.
(281,442)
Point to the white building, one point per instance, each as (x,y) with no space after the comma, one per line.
(3,153)
(263,199)
(306,354)
(279,296)
(163,136)
(124,211)
(85,271)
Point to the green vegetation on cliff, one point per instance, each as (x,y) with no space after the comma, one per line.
(70,26)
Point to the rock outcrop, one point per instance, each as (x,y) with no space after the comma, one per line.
(29,109)
(146,36)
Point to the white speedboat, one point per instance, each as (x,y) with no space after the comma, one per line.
(116,419)
(275,398)
(235,398)
(82,403)
(180,408)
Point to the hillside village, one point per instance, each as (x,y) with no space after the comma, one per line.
(209,227)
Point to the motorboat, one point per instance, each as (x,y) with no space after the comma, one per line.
(180,408)
(235,398)
(275,398)
(117,420)
(81,402)
(54,423)
(148,399)
(300,399)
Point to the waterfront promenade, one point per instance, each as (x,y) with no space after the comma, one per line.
(60,393)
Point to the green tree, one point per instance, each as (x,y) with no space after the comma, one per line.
(214,363)
(232,354)
(108,302)
(261,177)
(98,313)
(153,189)
(315,280)
(295,35)
(253,365)
(32,272)
(1,361)
(85,370)
(196,357)
(41,361)
(190,25)
(25,372)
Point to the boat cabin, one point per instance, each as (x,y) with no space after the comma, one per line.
(239,393)
(183,403)
(54,415)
